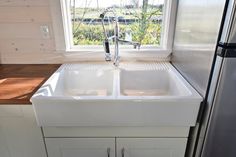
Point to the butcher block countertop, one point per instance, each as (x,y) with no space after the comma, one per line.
(18,82)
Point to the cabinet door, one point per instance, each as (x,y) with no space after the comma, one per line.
(151,147)
(80,147)
(19,134)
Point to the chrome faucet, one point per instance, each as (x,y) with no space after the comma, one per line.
(116,38)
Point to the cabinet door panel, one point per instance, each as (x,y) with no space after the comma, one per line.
(151,147)
(19,134)
(80,147)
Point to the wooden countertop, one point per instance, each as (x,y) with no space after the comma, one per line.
(18,82)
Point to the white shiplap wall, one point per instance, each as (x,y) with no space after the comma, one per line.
(20,38)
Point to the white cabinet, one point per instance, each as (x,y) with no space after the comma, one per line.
(151,147)
(80,147)
(124,147)
(19,134)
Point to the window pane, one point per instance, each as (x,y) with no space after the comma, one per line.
(139,20)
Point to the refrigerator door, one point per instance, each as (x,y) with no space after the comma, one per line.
(208,107)
(228,36)
(220,140)
(217,133)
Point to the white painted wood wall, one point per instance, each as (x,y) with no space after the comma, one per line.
(20,38)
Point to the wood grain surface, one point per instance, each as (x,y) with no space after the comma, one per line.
(18,82)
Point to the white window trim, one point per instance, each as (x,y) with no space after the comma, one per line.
(63,34)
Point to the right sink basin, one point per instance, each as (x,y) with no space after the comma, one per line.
(151,83)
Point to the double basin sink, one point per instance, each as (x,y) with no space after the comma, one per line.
(133,94)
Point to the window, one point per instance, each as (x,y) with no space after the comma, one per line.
(139,20)
(143,21)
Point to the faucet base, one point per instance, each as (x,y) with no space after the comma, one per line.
(107,57)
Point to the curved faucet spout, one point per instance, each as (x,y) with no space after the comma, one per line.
(115,38)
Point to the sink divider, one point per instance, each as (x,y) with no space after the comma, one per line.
(116,83)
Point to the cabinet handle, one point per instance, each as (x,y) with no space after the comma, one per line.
(123,152)
(108,152)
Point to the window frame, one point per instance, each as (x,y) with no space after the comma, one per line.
(63,31)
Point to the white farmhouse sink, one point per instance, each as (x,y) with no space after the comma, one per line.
(135,94)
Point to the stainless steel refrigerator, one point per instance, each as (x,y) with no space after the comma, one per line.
(217,134)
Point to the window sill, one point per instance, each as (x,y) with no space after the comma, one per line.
(125,54)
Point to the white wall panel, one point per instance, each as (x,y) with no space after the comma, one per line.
(24,14)
(21,31)
(26,45)
(21,40)
(24,3)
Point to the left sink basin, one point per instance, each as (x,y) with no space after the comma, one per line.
(79,81)
(88,82)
